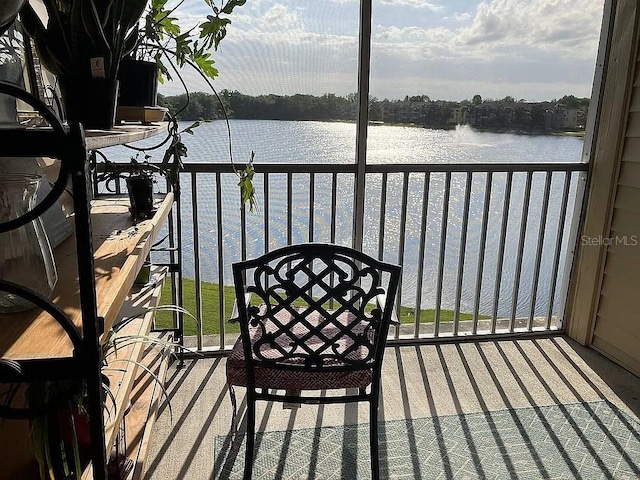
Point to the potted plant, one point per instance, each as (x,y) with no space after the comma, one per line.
(161,41)
(140,190)
(61,436)
(162,47)
(82,44)
(138,176)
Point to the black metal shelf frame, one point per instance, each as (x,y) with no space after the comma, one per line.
(68,145)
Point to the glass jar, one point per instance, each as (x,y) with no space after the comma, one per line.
(25,253)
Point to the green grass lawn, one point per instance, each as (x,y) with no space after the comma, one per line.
(211,313)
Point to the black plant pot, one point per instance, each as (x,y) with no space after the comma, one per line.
(140,190)
(90,101)
(138,83)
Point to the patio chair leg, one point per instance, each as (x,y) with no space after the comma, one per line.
(373,437)
(234,414)
(250,437)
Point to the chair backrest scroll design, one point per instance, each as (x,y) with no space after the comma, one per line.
(319,307)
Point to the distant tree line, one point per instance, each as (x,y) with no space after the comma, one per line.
(566,113)
(203,106)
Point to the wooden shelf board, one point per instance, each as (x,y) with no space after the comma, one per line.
(120,250)
(120,134)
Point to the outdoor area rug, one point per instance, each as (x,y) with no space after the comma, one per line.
(583,440)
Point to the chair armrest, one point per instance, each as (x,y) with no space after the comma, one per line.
(235,314)
(381,299)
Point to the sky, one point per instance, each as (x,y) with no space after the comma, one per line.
(449,50)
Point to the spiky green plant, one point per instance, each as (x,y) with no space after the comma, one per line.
(78,31)
(52,452)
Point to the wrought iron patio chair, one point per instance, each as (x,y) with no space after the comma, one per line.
(312,317)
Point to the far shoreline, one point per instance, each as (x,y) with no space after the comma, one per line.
(378,123)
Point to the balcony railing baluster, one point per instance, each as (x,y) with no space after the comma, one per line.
(383,210)
(402,231)
(521,245)
(463,249)
(559,243)
(196,257)
(483,243)
(503,236)
(312,201)
(421,253)
(243,229)
(381,226)
(220,250)
(289,208)
(443,246)
(541,235)
(266,218)
(172,257)
(177,285)
(334,205)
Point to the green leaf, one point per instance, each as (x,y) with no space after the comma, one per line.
(214,30)
(131,42)
(231,4)
(205,63)
(95,33)
(245,182)
(52,49)
(76,448)
(131,13)
(167,25)
(191,127)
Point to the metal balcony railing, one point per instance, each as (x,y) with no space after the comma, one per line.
(485,248)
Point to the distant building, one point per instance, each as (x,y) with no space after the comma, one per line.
(561,118)
(459,116)
(500,114)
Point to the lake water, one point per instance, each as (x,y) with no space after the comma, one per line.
(322,142)
(326,142)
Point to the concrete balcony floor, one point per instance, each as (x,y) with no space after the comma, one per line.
(418,382)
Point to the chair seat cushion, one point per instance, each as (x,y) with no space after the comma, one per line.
(276,378)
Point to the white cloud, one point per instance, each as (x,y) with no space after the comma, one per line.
(513,28)
(461,17)
(408,35)
(566,27)
(524,48)
(465,88)
(413,4)
(434,7)
(279,18)
(536,49)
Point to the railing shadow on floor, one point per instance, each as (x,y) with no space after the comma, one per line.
(441,381)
